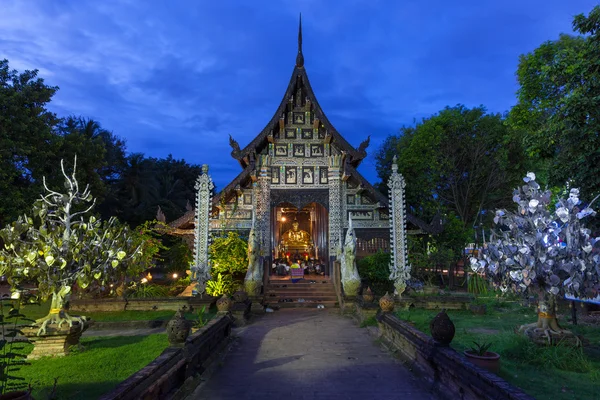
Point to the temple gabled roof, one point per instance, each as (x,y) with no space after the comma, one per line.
(299,78)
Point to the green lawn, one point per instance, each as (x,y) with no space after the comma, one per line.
(544,372)
(36,311)
(105,363)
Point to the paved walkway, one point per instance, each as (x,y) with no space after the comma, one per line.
(309,354)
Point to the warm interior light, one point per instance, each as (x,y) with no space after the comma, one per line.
(283,219)
(174,276)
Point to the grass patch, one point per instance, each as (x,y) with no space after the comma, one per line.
(559,372)
(37,311)
(105,363)
(371,321)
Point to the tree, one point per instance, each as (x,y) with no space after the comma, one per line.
(62,244)
(26,138)
(558,109)
(448,161)
(549,253)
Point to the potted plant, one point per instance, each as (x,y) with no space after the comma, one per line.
(480,356)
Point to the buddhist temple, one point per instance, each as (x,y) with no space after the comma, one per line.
(299,183)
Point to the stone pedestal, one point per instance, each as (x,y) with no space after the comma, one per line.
(364,310)
(241,312)
(257,308)
(349,306)
(56,342)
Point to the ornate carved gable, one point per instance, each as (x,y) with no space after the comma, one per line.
(299,115)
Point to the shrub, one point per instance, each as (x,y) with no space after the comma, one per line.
(146,291)
(374,270)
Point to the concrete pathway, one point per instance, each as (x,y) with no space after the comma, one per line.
(309,354)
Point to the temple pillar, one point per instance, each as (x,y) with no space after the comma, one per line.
(336,218)
(262,207)
(201,269)
(400,269)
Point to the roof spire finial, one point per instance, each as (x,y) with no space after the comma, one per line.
(300,56)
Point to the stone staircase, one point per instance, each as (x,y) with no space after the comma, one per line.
(285,294)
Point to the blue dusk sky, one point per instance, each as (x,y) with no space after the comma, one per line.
(179,76)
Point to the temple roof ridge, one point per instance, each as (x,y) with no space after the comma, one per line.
(300,76)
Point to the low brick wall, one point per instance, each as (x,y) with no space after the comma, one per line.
(176,368)
(447,370)
(150,304)
(435,302)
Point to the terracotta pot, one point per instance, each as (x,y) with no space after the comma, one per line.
(224,303)
(489,361)
(386,303)
(240,296)
(368,296)
(20,395)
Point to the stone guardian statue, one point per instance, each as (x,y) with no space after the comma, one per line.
(349,272)
(254,276)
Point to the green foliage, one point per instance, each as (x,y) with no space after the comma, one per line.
(25,123)
(224,284)
(200,319)
(477,284)
(558,109)
(229,256)
(460,160)
(375,271)
(12,354)
(480,349)
(79,377)
(145,291)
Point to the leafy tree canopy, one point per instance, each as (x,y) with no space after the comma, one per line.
(558,110)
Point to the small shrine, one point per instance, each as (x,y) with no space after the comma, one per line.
(299,186)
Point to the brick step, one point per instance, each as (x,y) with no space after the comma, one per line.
(327,304)
(300,285)
(302,288)
(299,293)
(301,296)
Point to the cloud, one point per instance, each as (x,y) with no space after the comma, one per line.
(179,77)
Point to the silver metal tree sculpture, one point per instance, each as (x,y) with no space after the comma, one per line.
(549,253)
(62,244)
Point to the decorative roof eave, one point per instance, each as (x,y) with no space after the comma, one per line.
(231,187)
(433,228)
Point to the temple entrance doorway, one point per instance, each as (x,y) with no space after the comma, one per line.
(300,235)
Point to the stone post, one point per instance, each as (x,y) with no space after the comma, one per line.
(336,219)
(400,270)
(201,268)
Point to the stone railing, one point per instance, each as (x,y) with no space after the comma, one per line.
(449,373)
(176,371)
(146,304)
(336,278)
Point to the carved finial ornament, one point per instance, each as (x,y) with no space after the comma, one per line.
(300,56)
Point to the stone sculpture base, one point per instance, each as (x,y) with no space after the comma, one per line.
(241,312)
(56,342)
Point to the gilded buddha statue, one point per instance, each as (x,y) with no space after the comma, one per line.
(296,238)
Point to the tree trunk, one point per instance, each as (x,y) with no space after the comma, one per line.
(58,314)
(546,330)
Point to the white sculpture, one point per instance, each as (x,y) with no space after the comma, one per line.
(254,275)
(350,278)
